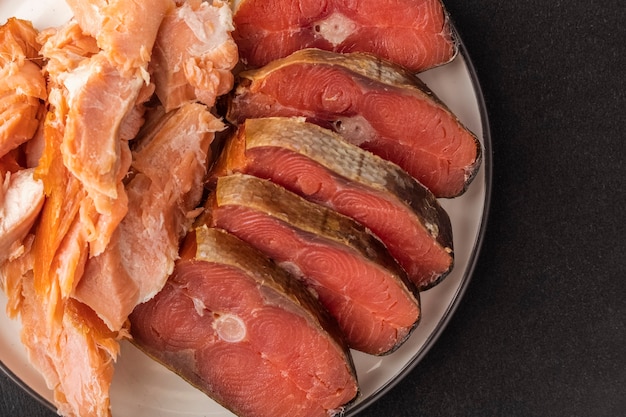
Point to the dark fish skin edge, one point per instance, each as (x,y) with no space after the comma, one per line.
(397,181)
(270,132)
(287,206)
(335,226)
(227,249)
(365,66)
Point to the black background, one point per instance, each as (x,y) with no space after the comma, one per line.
(541,329)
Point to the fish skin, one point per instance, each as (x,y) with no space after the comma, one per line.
(258,194)
(212,257)
(372,104)
(347,170)
(239,199)
(416,34)
(218,246)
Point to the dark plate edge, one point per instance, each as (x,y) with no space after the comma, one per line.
(5,369)
(488,169)
(487,166)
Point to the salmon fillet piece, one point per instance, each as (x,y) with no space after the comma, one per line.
(65,48)
(11,162)
(228,308)
(98,86)
(373,104)
(356,279)
(57,332)
(194,54)
(167,173)
(96,162)
(22,85)
(56,345)
(91,145)
(93,101)
(101,90)
(67,205)
(125,31)
(12,272)
(415,34)
(318,165)
(21,200)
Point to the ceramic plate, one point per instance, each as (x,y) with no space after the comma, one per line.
(143,388)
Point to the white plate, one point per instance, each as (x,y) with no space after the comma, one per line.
(143,388)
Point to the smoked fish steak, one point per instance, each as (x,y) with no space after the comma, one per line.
(373,104)
(244,332)
(349,269)
(318,165)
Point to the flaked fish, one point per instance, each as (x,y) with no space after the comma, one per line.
(194,54)
(169,164)
(22,84)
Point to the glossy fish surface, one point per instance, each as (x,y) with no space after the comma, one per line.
(372,104)
(246,333)
(320,166)
(348,268)
(413,33)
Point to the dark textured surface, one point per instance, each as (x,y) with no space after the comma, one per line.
(541,330)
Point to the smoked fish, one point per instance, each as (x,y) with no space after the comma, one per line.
(349,269)
(247,334)
(320,166)
(415,34)
(372,104)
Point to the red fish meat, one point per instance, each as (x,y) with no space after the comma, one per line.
(413,33)
(247,334)
(318,165)
(372,104)
(354,276)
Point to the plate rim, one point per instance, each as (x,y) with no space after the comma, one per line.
(27,388)
(487,166)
